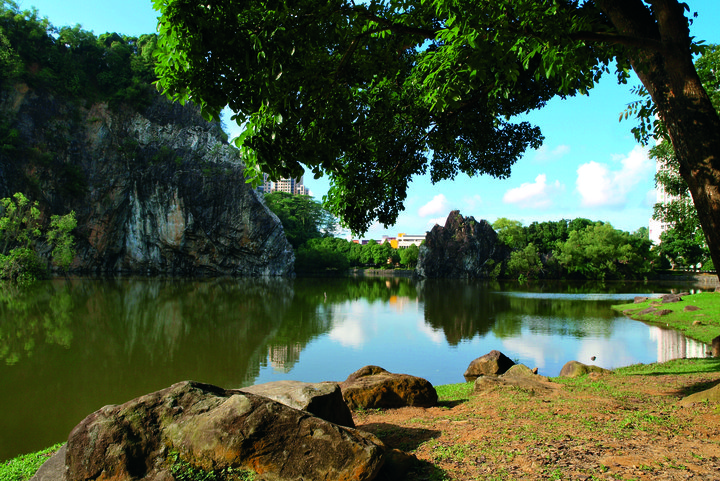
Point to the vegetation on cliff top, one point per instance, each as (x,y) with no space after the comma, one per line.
(72,62)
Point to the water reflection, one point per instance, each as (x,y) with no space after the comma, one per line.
(84,343)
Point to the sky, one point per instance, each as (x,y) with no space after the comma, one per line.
(589,165)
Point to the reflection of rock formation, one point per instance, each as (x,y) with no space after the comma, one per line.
(674,345)
(462,309)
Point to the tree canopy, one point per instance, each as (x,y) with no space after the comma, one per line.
(374,93)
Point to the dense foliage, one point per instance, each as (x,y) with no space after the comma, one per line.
(303,218)
(373,93)
(575,249)
(23,239)
(73,62)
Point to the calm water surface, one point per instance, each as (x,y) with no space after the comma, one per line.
(69,347)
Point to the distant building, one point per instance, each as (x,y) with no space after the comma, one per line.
(656,228)
(400,242)
(406,240)
(290,186)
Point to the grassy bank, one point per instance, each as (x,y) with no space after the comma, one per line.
(697,316)
(626,425)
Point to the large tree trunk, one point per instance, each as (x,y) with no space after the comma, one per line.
(663,62)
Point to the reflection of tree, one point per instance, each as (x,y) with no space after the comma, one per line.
(462,309)
(31,315)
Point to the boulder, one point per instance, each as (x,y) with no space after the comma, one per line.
(711,395)
(518,376)
(493,363)
(211,428)
(716,347)
(323,399)
(668,298)
(640,299)
(372,387)
(576,369)
(463,249)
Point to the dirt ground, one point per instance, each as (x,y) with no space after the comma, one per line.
(608,427)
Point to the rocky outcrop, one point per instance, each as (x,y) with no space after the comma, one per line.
(463,249)
(210,428)
(155,191)
(493,363)
(372,387)
(323,399)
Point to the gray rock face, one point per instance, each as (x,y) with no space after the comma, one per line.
(372,387)
(494,363)
(463,249)
(212,429)
(154,192)
(323,399)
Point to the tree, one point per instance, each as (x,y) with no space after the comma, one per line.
(600,251)
(21,239)
(409,256)
(374,93)
(510,232)
(682,248)
(525,263)
(302,217)
(678,209)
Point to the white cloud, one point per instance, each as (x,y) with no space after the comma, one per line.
(438,205)
(472,203)
(544,154)
(435,220)
(651,198)
(537,194)
(598,185)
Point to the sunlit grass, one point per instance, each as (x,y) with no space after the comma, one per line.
(25,466)
(702,323)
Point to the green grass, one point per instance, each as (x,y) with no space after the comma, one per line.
(708,315)
(454,392)
(25,466)
(676,366)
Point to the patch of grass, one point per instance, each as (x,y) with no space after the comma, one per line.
(455,392)
(707,305)
(674,367)
(25,466)
(452,453)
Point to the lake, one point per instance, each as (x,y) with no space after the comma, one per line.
(69,347)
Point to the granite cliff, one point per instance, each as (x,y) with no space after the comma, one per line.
(463,249)
(156,189)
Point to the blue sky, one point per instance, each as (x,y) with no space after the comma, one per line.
(589,166)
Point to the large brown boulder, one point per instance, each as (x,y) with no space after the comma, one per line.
(517,377)
(716,347)
(711,395)
(463,249)
(575,369)
(373,387)
(493,363)
(212,428)
(323,399)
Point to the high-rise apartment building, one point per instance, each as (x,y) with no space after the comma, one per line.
(291,186)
